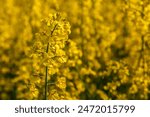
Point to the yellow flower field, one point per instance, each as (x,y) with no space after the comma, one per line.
(74,49)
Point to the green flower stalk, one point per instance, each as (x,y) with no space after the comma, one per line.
(46,77)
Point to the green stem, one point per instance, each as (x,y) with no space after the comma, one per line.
(46,77)
(46,70)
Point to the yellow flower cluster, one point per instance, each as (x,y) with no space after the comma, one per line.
(48,52)
(75,49)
